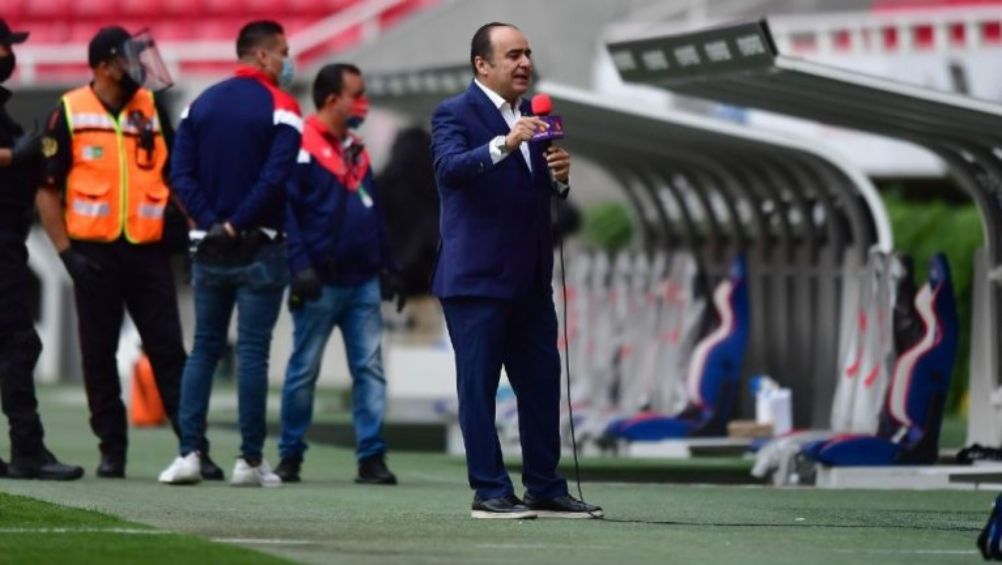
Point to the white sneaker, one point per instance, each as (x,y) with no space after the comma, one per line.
(261,476)
(185,470)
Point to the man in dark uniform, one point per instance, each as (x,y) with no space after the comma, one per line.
(102,203)
(20,347)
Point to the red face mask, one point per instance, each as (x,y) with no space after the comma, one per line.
(359,110)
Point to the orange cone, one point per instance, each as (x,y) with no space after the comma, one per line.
(147,408)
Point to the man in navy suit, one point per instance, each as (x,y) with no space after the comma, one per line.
(494,271)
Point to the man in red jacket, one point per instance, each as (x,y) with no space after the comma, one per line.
(341,266)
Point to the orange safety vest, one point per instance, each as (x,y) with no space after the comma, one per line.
(115,182)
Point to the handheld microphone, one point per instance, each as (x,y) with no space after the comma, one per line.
(542,106)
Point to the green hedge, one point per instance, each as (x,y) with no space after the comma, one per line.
(924,228)
(608,226)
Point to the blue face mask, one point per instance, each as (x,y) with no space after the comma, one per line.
(354,122)
(288,73)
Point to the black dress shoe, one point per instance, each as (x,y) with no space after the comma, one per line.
(288,469)
(111,468)
(562,507)
(44,466)
(373,471)
(210,471)
(501,508)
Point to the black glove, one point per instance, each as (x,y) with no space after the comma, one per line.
(392,284)
(86,274)
(26,148)
(217,246)
(306,286)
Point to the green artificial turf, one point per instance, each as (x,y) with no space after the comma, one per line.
(32,531)
(329,519)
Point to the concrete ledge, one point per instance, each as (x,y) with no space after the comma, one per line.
(686,448)
(913,477)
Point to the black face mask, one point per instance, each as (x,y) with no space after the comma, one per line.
(128,85)
(7,65)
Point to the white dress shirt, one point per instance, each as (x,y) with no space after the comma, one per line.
(510,115)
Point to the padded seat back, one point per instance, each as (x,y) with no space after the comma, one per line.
(715,368)
(921,376)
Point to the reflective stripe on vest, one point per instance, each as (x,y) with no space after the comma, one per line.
(87,120)
(95,209)
(115,185)
(152,211)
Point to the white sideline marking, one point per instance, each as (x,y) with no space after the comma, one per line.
(264,541)
(433,478)
(537,546)
(909,551)
(137,532)
(122,531)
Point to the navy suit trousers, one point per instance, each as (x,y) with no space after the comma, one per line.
(521,335)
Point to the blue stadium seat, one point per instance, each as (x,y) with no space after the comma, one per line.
(713,375)
(912,415)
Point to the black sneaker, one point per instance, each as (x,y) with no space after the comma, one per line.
(44,466)
(501,508)
(209,470)
(288,469)
(562,507)
(111,468)
(373,471)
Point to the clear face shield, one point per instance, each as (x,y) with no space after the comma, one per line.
(142,61)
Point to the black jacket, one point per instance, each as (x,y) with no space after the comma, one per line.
(17,183)
(17,194)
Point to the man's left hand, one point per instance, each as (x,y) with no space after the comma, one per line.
(559,161)
(392,285)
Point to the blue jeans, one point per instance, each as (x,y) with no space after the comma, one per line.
(355,309)
(256,291)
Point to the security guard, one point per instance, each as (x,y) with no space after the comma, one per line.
(20,347)
(102,204)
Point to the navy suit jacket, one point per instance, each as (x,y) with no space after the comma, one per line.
(495,220)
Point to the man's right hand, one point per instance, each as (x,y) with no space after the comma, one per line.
(218,232)
(217,244)
(26,148)
(523,130)
(86,274)
(306,287)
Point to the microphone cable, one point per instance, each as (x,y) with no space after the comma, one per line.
(567,370)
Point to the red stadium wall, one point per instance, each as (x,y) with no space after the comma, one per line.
(196,36)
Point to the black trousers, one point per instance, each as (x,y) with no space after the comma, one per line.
(19,349)
(18,353)
(137,278)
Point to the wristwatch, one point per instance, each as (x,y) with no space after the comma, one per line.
(501,144)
